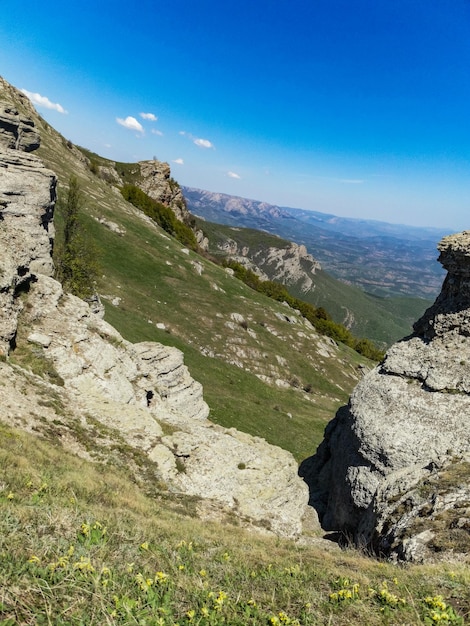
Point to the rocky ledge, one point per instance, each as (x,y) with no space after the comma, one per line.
(393,471)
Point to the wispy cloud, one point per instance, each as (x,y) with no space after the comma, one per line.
(155,131)
(351,181)
(43,101)
(149,117)
(233,175)
(179,161)
(201,143)
(131,123)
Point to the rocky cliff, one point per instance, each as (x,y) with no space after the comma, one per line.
(393,470)
(27,196)
(288,264)
(70,373)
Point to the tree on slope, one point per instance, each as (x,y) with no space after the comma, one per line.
(74,255)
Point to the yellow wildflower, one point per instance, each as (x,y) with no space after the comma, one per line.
(84,565)
(161,577)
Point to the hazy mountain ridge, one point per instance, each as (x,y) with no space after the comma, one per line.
(381,258)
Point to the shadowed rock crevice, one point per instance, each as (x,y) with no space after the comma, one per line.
(407,422)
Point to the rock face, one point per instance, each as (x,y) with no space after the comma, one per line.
(141,394)
(290,265)
(27,196)
(16,131)
(393,469)
(157,183)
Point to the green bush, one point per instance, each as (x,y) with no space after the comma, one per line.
(161,215)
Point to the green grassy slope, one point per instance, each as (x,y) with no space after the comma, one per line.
(158,283)
(241,366)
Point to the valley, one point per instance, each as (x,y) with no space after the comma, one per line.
(157,439)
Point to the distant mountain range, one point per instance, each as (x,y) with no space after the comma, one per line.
(383,259)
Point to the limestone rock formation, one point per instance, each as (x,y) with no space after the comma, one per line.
(157,183)
(17,131)
(393,469)
(289,265)
(27,196)
(138,395)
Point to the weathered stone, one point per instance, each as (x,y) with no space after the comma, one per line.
(290,265)
(27,196)
(16,131)
(156,181)
(407,420)
(40,340)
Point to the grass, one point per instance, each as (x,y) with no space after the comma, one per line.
(32,358)
(80,543)
(157,282)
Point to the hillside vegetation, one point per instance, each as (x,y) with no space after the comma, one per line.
(81,543)
(103,542)
(383,259)
(264,370)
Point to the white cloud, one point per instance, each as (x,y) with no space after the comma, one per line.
(233,175)
(149,116)
(203,143)
(351,181)
(131,123)
(179,161)
(43,101)
(155,131)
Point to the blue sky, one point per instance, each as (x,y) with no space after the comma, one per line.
(359,108)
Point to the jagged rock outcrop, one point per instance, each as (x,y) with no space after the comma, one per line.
(95,381)
(17,132)
(393,469)
(155,179)
(157,183)
(27,196)
(288,264)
